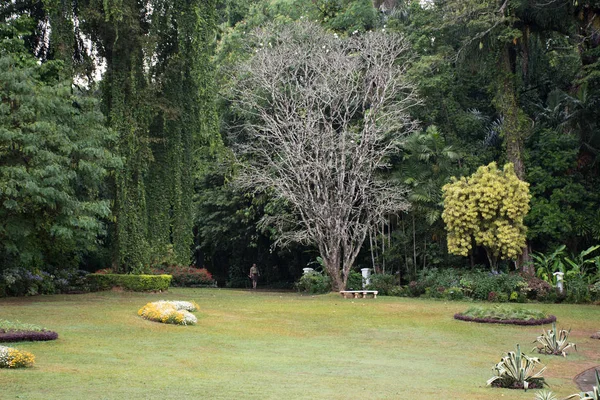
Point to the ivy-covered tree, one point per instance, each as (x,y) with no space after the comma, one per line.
(487,208)
(54,157)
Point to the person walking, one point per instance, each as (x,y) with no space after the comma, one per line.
(254,274)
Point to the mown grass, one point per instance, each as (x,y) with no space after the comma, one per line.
(266,345)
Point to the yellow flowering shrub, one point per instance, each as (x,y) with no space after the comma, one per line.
(488,207)
(170,312)
(13,358)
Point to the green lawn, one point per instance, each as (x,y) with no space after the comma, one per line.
(267,345)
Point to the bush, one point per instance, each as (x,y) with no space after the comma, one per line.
(595,291)
(476,284)
(537,289)
(578,290)
(314,283)
(186,276)
(170,312)
(385,284)
(136,283)
(26,282)
(453,293)
(516,371)
(355,281)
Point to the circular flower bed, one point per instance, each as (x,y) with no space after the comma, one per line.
(170,312)
(505,315)
(20,332)
(13,358)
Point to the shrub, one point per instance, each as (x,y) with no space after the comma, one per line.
(136,283)
(476,284)
(537,289)
(170,312)
(578,290)
(355,281)
(595,291)
(186,276)
(13,358)
(383,283)
(554,342)
(545,395)
(453,293)
(314,283)
(415,289)
(516,371)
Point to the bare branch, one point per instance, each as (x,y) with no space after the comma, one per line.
(323,117)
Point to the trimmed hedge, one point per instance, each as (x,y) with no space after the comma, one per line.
(27,336)
(542,321)
(135,283)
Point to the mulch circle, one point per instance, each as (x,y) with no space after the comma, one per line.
(26,336)
(587,379)
(543,321)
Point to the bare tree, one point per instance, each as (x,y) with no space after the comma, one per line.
(323,116)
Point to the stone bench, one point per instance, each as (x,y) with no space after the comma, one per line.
(356,294)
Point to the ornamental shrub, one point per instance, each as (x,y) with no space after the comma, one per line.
(136,283)
(355,281)
(13,358)
(488,207)
(314,283)
(170,312)
(383,283)
(186,276)
(31,282)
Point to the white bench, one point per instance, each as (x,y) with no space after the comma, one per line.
(358,293)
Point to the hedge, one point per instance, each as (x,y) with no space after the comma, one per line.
(136,283)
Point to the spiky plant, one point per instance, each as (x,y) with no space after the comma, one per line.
(593,394)
(554,341)
(545,395)
(516,370)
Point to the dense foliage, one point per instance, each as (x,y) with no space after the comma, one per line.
(117,130)
(487,208)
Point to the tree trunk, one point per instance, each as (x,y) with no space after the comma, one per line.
(332,262)
(514,127)
(414,244)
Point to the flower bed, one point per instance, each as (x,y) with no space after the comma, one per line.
(13,358)
(502,315)
(27,336)
(20,332)
(170,312)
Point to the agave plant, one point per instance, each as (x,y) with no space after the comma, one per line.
(516,370)
(554,342)
(593,394)
(545,395)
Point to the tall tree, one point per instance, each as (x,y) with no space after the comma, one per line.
(54,157)
(321,124)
